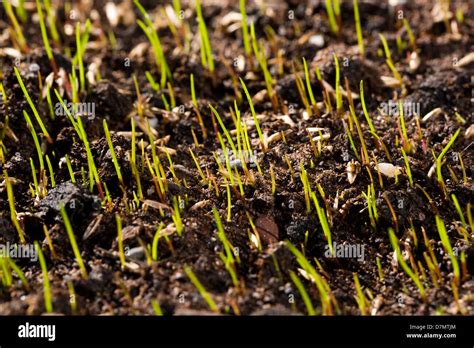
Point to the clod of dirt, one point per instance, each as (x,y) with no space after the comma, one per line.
(78,203)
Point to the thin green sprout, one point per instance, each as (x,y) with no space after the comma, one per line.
(48,304)
(118,222)
(447,247)
(254,115)
(324,222)
(156,239)
(458,209)
(202,291)
(44,33)
(407,167)
(11,203)
(440,157)
(406,268)
(303,293)
(177,217)
(360,39)
(32,106)
(112,153)
(73,242)
(332,19)
(16,26)
(206,51)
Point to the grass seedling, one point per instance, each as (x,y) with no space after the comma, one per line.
(440,158)
(156,239)
(196,107)
(371,205)
(361,300)
(360,39)
(51,18)
(306,188)
(245,30)
(458,209)
(448,248)
(18,271)
(259,53)
(133,161)
(326,297)
(48,304)
(44,35)
(303,293)
(407,167)
(324,222)
(32,106)
(177,217)
(337,87)
(156,308)
(411,38)
(36,141)
(81,48)
(230,256)
(332,19)
(272,176)
(51,172)
(69,168)
(112,153)
(206,52)
(118,222)
(11,203)
(364,108)
(389,61)
(365,155)
(309,88)
(198,166)
(406,268)
(202,291)
(254,115)
(154,39)
(72,240)
(406,142)
(19,37)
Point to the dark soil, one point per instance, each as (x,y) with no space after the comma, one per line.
(265,286)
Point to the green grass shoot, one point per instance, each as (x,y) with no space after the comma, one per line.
(73,242)
(245,30)
(324,222)
(448,248)
(327,300)
(337,87)
(154,39)
(32,106)
(206,52)
(407,167)
(202,291)
(254,115)
(177,217)
(303,293)
(360,39)
(112,153)
(406,268)
(48,304)
(44,35)
(20,38)
(332,19)
(118,222)
(442,154)
(11,203)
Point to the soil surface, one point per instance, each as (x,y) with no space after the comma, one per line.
(437,80)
